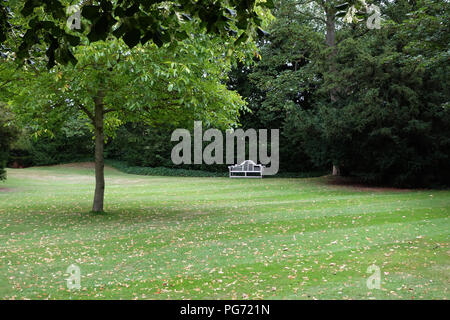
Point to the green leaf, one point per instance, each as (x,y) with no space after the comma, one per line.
(242,38)
(343,6)
(106,5)
(132,10)
(119,12)
(232,32)
(73,40)
(231,12)
(120,31)
(29,7)
(90,12)
(186,17)
(147,36)
(182,35)
(157,39)
(261,32)
(132,37)
(268,4)
(100,29)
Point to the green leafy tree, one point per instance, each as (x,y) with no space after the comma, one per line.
(43,23)
(390,121)
(8,133)
(142,145)
(281,81)
(112,84)
(326,17)
(153,61)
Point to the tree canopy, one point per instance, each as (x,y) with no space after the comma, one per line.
(372,102)
(42,25)
(388,119)
(108,72)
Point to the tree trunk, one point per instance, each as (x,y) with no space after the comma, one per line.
(336,170)
(99,161)
(330,38)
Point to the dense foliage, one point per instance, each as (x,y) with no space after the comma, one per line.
(111,73)
(41,27)
(279,82)
(8,133)
(375,102)
(389,121)
(72,142)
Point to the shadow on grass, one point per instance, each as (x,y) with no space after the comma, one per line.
(355,184)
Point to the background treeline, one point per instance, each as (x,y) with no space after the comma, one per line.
(387,120)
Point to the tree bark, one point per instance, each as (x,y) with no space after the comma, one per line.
(336,170)
(330,38)
(99,161)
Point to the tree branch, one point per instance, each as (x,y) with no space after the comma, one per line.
(109,110)
(313,17)
(87,112)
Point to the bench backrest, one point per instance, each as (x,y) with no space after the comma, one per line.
(247,165)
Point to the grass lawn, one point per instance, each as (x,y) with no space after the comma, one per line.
(218,238)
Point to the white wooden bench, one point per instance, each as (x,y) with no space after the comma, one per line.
(247,169)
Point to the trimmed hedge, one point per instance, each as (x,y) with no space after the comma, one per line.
(162,171)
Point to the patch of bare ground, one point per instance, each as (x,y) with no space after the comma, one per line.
(61,175)
(7,189)
(80,165)
(356,185)
(47,177)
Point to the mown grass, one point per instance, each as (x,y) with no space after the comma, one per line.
(218,238)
